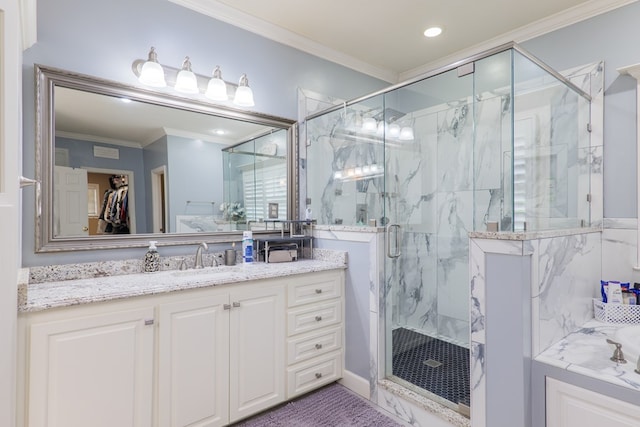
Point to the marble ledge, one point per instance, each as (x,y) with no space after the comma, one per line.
(53,294)
(531,235)
(586,352)
(353,228)
(429,405)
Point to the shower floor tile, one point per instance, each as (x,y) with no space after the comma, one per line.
(434,365)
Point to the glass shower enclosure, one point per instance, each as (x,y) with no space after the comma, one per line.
(496,143)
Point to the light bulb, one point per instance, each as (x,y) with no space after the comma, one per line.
(244,94)
(217,88)
(369,125)
(186,82)
(406,134)
(151,73)
(394,130)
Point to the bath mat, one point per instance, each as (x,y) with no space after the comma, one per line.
(331,406)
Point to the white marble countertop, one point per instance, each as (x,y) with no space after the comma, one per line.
(45,295)
(586,352)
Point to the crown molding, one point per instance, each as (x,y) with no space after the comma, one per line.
(97,139)
(543,26)
(239,19)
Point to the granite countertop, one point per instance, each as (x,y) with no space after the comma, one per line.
(586,352)
(61,293)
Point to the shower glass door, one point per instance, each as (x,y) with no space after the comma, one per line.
(429,209)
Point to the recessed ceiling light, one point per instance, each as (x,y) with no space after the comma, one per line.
(433,32)
(125,100)
(219,131)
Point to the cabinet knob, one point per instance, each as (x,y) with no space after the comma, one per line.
(236,304)
(318,346)
(226,306)
(318,291)
(318,318)
(318,375)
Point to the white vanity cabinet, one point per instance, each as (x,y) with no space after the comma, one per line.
(571,406)
(221,355)
(91,370)
(314,332)
(199,357)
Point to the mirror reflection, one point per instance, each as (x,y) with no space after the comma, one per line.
(126,165)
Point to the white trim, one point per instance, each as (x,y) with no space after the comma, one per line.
(29,23)
(159,185)
(239,19)
(355,383)
(232,16)
(535,29)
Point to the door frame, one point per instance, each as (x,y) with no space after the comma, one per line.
(130,191)
(158,203)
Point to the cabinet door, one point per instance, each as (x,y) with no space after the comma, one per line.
(257,342)
(193,380)
(92,371)
(571,406)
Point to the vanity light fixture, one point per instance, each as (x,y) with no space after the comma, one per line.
(151,73)
(186,82)
(217,88)
(244,94)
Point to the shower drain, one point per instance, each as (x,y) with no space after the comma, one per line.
(432,363)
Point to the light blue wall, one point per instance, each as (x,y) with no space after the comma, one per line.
(103,38)
(613,37)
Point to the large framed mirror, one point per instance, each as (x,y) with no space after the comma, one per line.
(119,165)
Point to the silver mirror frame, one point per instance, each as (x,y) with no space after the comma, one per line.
(47,78)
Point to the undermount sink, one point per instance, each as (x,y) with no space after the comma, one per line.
(629,337)
(214,272)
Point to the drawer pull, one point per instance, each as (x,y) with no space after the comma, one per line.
(226,306)
(318,346)
(318,375)
(236,304)
(318,318)
(318,291)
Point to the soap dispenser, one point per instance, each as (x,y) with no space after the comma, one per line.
(152,258)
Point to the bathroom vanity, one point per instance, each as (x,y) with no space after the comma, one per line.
(179,348)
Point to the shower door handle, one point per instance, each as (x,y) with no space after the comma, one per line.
(397,252)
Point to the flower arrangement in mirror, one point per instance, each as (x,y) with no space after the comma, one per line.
(233,211)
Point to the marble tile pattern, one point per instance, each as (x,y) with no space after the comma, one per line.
(568,272)
(61,293)
(415,409)
(586,352)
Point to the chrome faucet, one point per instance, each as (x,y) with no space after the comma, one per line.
(198,262)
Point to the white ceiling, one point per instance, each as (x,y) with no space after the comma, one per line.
(384,38)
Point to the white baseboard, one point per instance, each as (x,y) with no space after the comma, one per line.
(355,383)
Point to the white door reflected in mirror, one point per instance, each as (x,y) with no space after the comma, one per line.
(70,202)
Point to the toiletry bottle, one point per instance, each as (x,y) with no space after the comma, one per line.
(247,247)
(308,214)
(152,258)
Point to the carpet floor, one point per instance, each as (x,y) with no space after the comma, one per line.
(330,406)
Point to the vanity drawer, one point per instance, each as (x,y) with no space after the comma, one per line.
(315,289)
(314,373)
(314,317)
(313,344)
